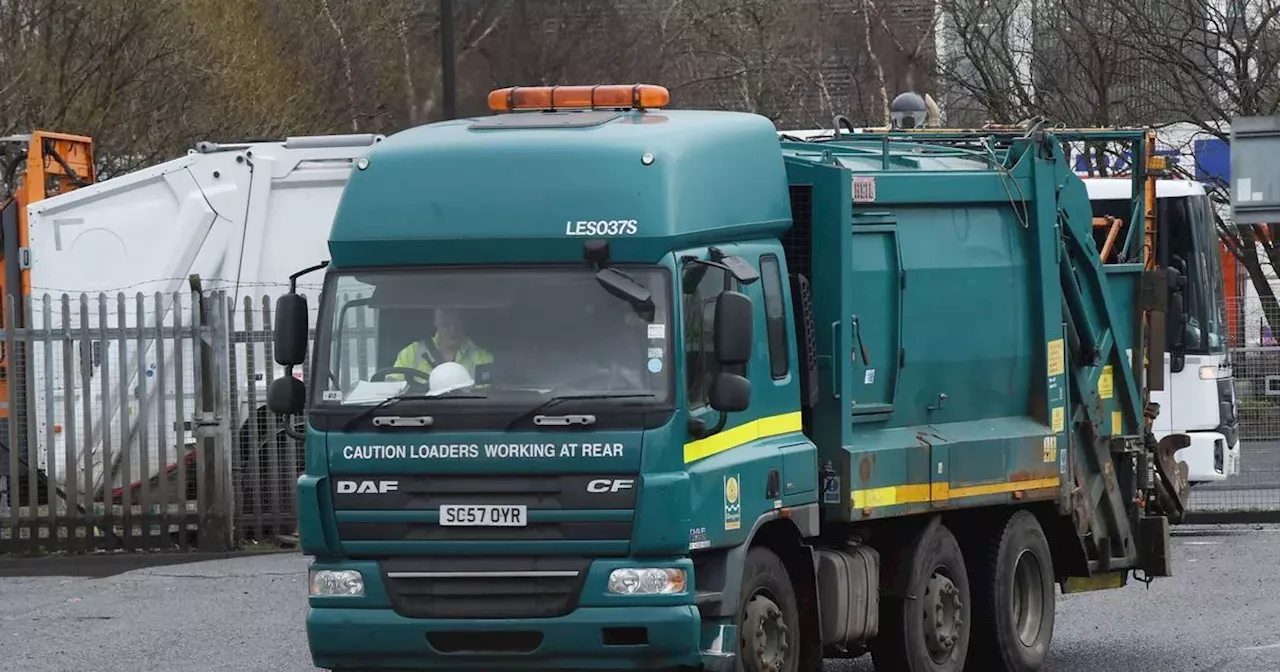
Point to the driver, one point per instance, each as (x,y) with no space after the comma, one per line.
(449,344)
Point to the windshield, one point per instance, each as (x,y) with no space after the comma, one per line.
(1188,232)
(1206,293)
(490,336)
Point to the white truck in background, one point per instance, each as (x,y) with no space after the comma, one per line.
(1198,398)
(242,217)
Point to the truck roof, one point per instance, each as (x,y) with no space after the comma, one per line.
(862,155)
(1119,188)
(534,185)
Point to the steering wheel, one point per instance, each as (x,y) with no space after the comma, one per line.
(381,374)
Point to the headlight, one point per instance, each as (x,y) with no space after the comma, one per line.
(647,581)
(1212,372)
(336,583)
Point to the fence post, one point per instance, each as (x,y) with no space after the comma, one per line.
(215,523)
(220,333)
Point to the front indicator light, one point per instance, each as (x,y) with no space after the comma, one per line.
(336,583)
(647,581)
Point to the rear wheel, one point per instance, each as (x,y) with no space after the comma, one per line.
(768,620)
(1014,595)
(929,630)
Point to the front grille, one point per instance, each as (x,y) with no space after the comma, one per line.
(561,531)
(558,505)
(484,587)
(427,492)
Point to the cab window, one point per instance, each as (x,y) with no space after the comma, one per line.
(699,345)
(775,315)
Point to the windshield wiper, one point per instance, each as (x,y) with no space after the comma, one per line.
(567,397)
(398,398)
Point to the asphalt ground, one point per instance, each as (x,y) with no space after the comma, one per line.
(1218,614)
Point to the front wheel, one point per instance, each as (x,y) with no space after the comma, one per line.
(769,634)
(928,631)
(1013,582)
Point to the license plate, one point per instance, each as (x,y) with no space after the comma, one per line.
(484,515)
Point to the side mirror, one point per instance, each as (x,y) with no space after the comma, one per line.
(733,323)
(291,329)
(286,396)
(730,393)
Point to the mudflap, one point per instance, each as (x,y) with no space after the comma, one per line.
(1154,555)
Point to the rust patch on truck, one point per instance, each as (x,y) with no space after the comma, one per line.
(1034,475)
(866,467)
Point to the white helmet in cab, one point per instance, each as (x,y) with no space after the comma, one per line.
(447,377)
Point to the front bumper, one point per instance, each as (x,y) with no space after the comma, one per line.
(424,624)
(594,638)
(1209,457)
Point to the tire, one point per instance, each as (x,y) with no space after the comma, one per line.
(934,570)
(1014,597)
(769,637)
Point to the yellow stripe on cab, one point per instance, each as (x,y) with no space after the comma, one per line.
(763,428)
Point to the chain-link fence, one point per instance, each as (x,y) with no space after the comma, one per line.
(1249,490)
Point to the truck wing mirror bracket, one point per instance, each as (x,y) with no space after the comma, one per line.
(739,268)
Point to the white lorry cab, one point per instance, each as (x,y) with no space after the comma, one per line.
(1198,398)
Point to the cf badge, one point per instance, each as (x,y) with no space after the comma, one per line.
(610,484)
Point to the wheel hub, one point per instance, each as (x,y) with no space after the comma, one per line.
(1028,600)
(942,620)
(765,638)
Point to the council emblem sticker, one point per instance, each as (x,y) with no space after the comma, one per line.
(732,505)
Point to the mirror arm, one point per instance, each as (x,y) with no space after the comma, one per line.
(293,279)
(698,429)
(290,432)
(706,262)
(720,423)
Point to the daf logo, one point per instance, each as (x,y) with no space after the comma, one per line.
(367,487)
(610,485)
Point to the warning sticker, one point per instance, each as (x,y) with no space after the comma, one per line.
(1050,449)
(1117,423)
(732,505)
(1106,387)
(1058,418)
(1057,357)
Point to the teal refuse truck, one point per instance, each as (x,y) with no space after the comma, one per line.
(599,384)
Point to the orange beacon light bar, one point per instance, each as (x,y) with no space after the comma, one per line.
(637,96)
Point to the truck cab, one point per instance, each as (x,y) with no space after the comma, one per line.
(553,498)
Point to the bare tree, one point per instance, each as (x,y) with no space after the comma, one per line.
(758,56)
(894,53)
(1220,60)
(1071,61)
(111,69)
